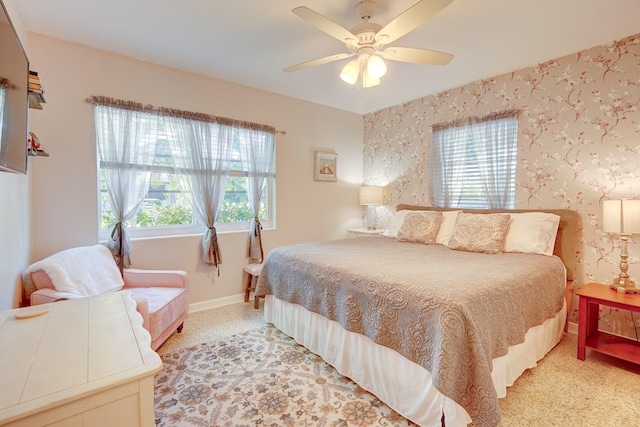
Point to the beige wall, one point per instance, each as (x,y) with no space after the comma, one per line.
(578,145)
(64,190)
(14,214)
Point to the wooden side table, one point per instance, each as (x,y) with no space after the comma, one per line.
(591,297)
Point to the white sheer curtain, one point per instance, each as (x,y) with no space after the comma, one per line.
(448,150)
(126,142)
(496,156)
(473,163)
(257,149)
(201,153)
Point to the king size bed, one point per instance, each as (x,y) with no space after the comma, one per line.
(436,331)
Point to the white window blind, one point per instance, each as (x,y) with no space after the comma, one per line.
(473,165)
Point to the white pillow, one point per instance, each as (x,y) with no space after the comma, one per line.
(532,232)
(396,223)
(447,226)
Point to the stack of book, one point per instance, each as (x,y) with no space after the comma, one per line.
(36,92)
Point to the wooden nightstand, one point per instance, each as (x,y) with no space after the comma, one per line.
(591,296)
(361,232)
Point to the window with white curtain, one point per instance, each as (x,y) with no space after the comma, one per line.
(165,210)
(473,164)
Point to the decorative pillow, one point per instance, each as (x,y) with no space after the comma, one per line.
(532,232)
(479,232)
(396,223)
(447,226)
(420,227)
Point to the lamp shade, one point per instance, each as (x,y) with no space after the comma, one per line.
(349,73)
(371,195)
(376,67)
(621,216)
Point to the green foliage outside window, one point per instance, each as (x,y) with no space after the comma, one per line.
(166,206)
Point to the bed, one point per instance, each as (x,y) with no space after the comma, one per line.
(437,334)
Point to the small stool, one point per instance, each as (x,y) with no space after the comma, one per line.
(253,271)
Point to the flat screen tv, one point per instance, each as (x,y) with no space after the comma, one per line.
(14,98)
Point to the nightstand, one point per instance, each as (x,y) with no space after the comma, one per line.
(361,232)
(591,297)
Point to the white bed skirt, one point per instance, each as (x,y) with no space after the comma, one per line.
(403,385)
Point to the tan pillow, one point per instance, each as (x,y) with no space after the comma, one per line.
(479,232)
(420,227)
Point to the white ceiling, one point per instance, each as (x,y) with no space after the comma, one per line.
(249,42)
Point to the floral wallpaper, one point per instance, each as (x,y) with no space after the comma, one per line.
(579,143)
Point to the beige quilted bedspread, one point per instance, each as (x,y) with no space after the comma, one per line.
(451,312)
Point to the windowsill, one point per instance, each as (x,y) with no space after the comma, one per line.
(185,235)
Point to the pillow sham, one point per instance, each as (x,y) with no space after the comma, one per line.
(532,232)
(420,227)
(447,226)
(479,232)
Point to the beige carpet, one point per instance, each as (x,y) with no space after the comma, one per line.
(561,391)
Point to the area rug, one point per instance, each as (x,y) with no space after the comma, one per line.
(261,378)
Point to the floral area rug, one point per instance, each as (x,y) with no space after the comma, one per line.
(261,378)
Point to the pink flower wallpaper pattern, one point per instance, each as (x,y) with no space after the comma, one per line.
(579,144)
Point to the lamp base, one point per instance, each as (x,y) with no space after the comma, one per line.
(624,286)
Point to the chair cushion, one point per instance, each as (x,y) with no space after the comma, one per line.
(165,306)
(253,269)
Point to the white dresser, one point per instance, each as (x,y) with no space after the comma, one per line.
(84,362)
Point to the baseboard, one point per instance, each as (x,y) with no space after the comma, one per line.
(572,328)
(214,303)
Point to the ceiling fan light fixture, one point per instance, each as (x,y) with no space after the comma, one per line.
(349,73)
(376,67)
(368,80)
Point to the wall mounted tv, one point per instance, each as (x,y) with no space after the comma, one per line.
(14,101)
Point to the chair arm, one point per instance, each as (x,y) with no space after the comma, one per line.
(142,305)
(136,278)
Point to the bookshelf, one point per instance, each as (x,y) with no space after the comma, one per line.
(36,99)
(36,92)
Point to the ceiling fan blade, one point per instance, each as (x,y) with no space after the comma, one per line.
(325,24)
(319,61)
(410,19)
(416,56)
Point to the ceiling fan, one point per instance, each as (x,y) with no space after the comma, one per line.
(366,41)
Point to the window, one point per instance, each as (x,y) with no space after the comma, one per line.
(165,208)
(473,165)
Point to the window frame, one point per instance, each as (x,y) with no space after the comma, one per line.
(196,228)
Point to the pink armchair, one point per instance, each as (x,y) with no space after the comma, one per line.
(161,295)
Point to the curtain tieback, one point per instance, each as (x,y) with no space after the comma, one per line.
(258,228)
(117,229)
(214,248)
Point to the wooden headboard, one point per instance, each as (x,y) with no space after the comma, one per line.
(566,240)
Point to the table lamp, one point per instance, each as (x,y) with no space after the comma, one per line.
(622,217)
(371,196)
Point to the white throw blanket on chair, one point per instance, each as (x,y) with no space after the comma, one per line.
(85,271)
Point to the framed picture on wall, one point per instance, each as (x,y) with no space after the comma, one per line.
(325,166)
